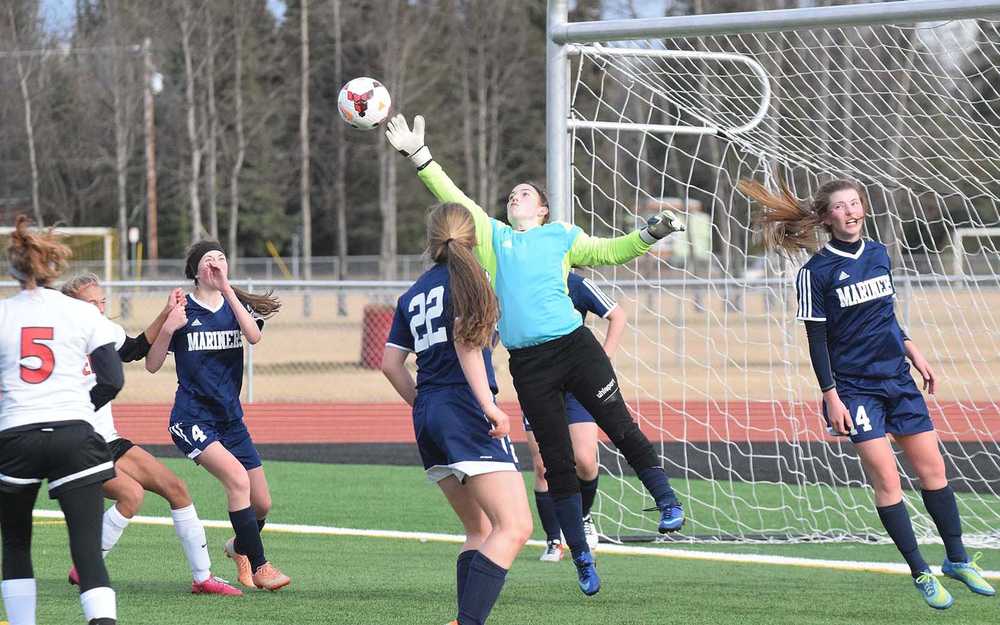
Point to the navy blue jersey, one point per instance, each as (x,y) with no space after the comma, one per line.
(208,352)
(854,295)
(587,297)
(423,324)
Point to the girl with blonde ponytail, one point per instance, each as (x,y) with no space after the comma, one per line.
(859,354)
(448,318)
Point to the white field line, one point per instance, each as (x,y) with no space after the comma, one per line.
(663,552)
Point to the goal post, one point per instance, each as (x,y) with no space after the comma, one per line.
(714,366)
(93,248)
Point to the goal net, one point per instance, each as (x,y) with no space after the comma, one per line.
(714,364)
(93,249)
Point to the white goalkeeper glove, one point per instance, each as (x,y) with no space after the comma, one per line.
(661,224)
(409,143)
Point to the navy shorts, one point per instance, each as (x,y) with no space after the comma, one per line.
(453,435)
(575,413)
(883,406)
(193,436)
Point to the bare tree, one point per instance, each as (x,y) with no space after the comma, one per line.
(24,71)
(304,180)
(340,171)
(213,130)
(241,140)
(187,28)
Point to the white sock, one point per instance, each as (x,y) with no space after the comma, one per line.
(111,529)
(191,533)
(99,603)
(19,600)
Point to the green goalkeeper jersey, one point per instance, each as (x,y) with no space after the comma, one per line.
(528,269)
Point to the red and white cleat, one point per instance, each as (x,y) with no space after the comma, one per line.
(215,586)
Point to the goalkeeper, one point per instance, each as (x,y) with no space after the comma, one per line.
(551,352)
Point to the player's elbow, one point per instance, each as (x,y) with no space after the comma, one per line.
(253,340)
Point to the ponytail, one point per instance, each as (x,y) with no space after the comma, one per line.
(264,305)
(35,257)
(451,239)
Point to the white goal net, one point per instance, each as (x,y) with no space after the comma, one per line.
(714,364)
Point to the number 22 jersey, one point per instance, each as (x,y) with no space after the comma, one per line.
(423,324)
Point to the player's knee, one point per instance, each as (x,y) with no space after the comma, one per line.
(237,485)
(261,504)
(586,467)
(175,491)
(521,528)
(130,500)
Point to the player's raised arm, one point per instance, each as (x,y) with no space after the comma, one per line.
(410,143)
(158,350)
(588,251)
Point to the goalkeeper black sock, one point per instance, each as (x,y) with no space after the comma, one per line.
(896,520)
(656,482)
(943,508)
(570,513)
(547,514)
(588,491)
(486,579)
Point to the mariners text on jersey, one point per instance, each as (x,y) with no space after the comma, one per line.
(866,291)
(217,339)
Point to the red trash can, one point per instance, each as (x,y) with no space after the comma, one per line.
(376,322)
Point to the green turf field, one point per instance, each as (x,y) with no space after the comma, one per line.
(346,580)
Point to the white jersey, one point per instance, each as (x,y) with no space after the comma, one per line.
(104,422)
(44,337)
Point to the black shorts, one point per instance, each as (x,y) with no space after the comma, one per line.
(119,447)
(68,454)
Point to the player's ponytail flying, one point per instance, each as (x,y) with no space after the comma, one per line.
(36,257)
(451,238)
(263,304)
(789,224)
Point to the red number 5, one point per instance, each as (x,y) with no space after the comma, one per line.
(31,347)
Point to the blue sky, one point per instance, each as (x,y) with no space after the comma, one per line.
(59,14)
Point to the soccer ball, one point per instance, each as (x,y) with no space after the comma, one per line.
(364,103)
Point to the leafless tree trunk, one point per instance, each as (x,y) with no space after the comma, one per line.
(23,74)
(187,27)
(340,172)
(304,181)
(213,133)
(241,141)
(121,162)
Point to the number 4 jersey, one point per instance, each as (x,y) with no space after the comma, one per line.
(423,324)
(45,337)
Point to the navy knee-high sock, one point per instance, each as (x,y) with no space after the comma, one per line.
(588,491)
(547,514)
(462,572)
(656,482)
(248,541)
(570,512)
(896,520)
(482,587)
(943,508)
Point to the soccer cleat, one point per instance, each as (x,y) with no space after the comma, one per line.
(215,586)
(970,574)
(74,577)
(586,573)
(243,573)
(269,578)
(590,531)
(936,595)
(671,518)
(553,551)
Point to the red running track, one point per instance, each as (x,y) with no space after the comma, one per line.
(669,421)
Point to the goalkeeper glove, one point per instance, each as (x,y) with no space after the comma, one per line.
(409,143)
(660,225)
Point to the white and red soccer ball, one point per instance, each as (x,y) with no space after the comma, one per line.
(364,103)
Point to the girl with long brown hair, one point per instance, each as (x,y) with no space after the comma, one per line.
(859,355)
(47,423)
(205,332)
(448,318)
